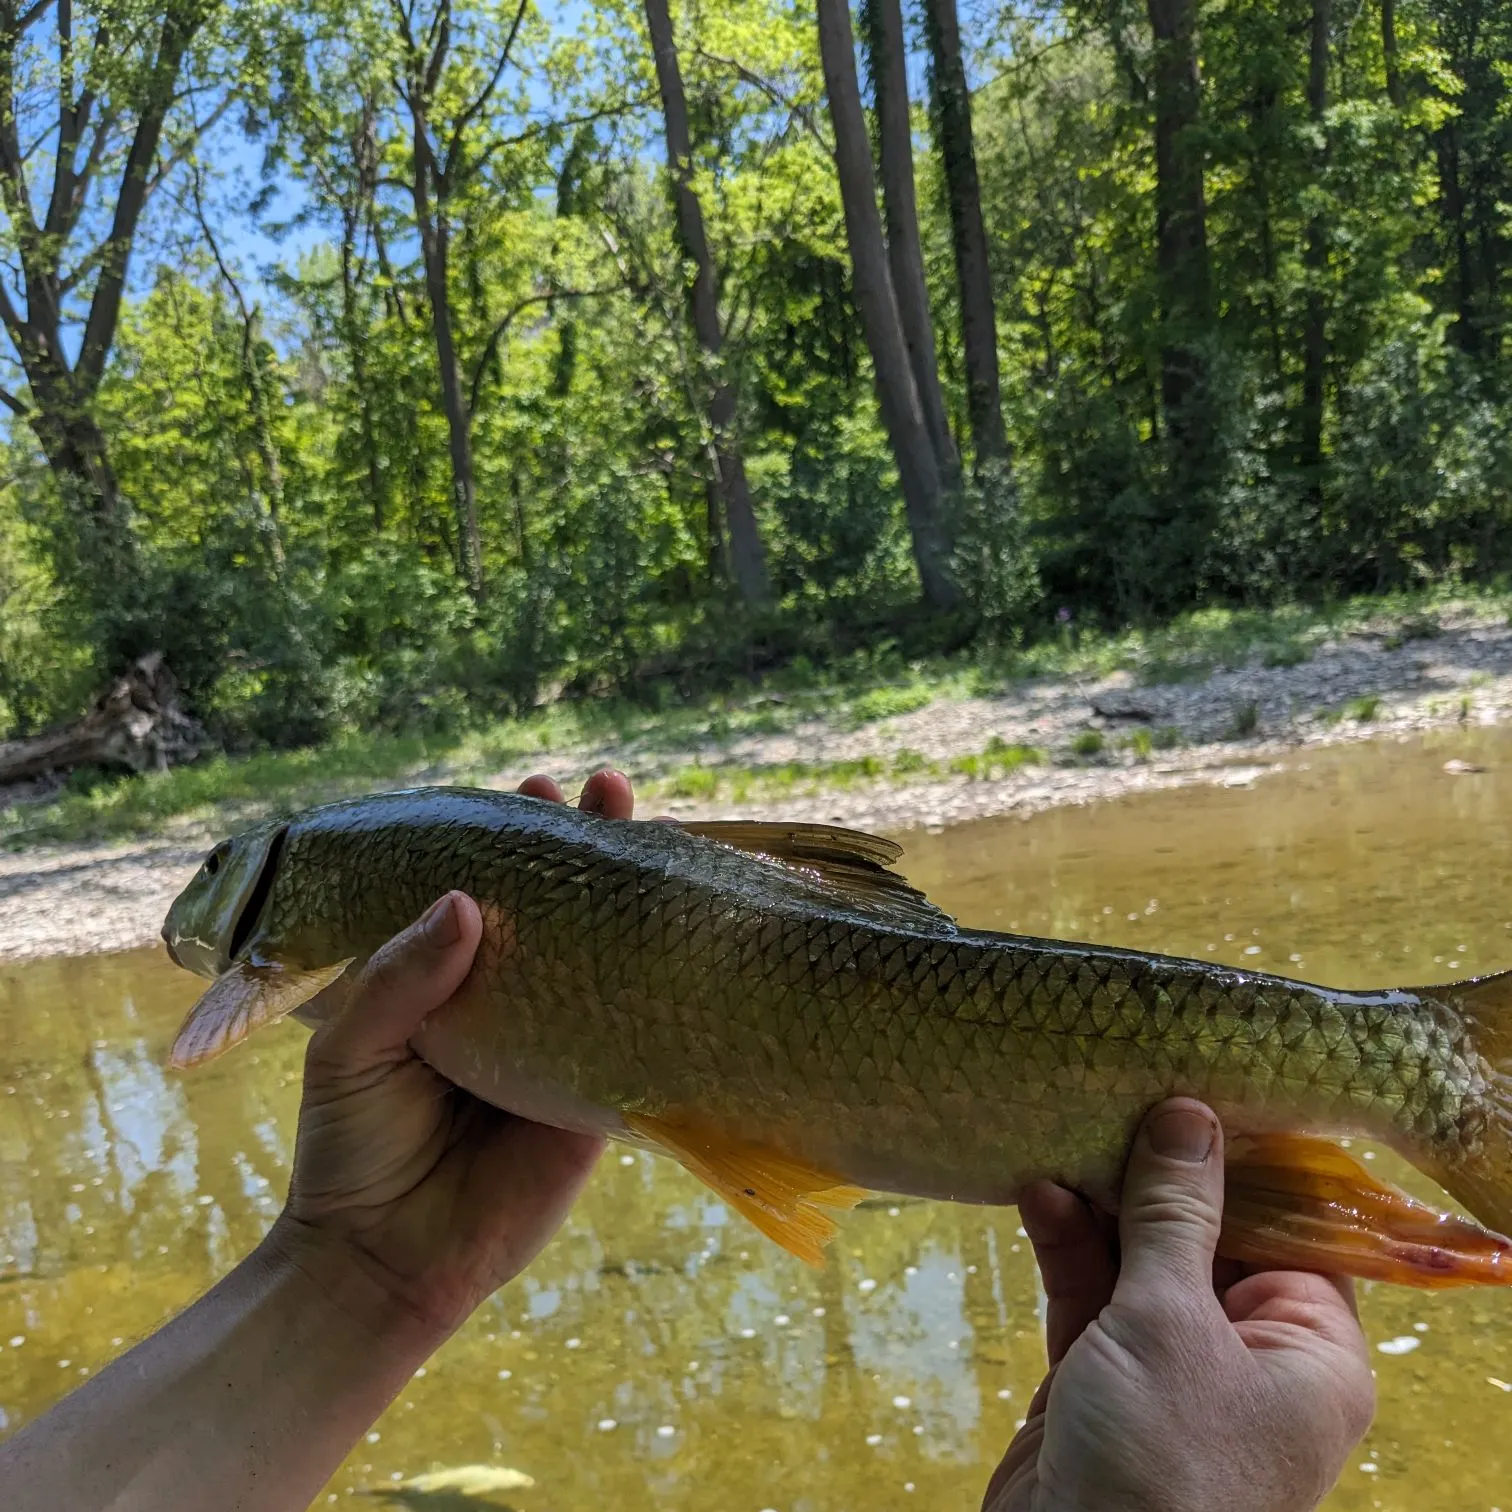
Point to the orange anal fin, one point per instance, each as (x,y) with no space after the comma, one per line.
(1300,1203)
(787,1199)
(241,1000)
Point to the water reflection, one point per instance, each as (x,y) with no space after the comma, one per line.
(659,1352)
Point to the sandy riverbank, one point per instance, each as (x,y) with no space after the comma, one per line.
(81,899)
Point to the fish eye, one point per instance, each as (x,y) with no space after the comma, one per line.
(213,861)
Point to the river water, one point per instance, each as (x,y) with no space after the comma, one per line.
(660,1353)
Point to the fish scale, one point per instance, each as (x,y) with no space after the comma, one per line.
(783,1014)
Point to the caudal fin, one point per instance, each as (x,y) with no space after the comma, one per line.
(1297,1201)
(1482,1178)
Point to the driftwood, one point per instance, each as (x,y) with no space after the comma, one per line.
(137,723)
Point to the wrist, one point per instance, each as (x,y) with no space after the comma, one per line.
(387,1312)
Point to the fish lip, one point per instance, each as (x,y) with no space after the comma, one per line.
(168,942)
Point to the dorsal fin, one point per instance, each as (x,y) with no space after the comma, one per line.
(850,864)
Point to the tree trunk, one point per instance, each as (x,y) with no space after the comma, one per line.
(1390,54)
(76,453)
(883,27)
(1466,329)
(924,492)
(136,723)
(1315,261)
(731,491)
(1262,112)
(951,113)
(267,447)
(435,250)
(1184,282)
(355,336)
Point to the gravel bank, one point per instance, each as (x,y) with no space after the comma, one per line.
(1230,727)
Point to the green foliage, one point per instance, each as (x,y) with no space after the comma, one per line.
(1245,722)
(1088,743)
(884,703)
(279,437)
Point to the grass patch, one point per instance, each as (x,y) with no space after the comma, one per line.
(885,703)
(1088,743)
(1245,721)
(869,685)
(1363,709)
(999,759)
(1141,743)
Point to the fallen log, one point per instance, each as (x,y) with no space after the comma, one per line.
(137,723)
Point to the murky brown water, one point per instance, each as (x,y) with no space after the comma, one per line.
(660,1354)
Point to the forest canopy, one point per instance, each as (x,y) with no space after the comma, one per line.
(396,363)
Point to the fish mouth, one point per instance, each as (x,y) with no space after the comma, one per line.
(167,935)
(257,897)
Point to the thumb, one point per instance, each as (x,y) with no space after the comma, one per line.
(405,979)
(1172,1204)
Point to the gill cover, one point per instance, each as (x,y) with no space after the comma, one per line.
(210,930)
(211,920)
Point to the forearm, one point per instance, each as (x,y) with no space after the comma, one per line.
(249,1400)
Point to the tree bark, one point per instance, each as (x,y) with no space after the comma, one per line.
(63,391)
(136,723)
(728,484)
(883,29)
(1184,280)
(1315,261)
(435,248)
(1466,329)
(951,113)
(924,491)
(1390,54)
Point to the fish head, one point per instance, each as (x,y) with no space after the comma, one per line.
(212,919)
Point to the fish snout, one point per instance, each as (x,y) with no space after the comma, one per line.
(167,935)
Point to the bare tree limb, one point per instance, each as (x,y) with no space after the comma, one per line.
(13,404)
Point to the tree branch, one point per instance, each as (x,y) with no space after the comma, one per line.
(799,112)
(30,14)
(495,336)
(13,404)
(440,30)
(471,112)
(105,308)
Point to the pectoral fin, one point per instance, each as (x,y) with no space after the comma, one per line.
(785,1198)
(1302,1203)
(240,1000)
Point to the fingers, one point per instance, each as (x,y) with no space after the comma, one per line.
(1074,1248)
(415,973)
(1172,1204)
(541,786)
(606,792)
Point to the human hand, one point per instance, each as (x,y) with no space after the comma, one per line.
(401,1180)
(1177,1383)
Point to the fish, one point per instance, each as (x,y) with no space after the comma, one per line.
(463,1489)
(776,1008)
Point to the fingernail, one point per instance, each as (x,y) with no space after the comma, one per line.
(440,925)
(1181,1134)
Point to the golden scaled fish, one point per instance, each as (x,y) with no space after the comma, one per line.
(776,1009)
